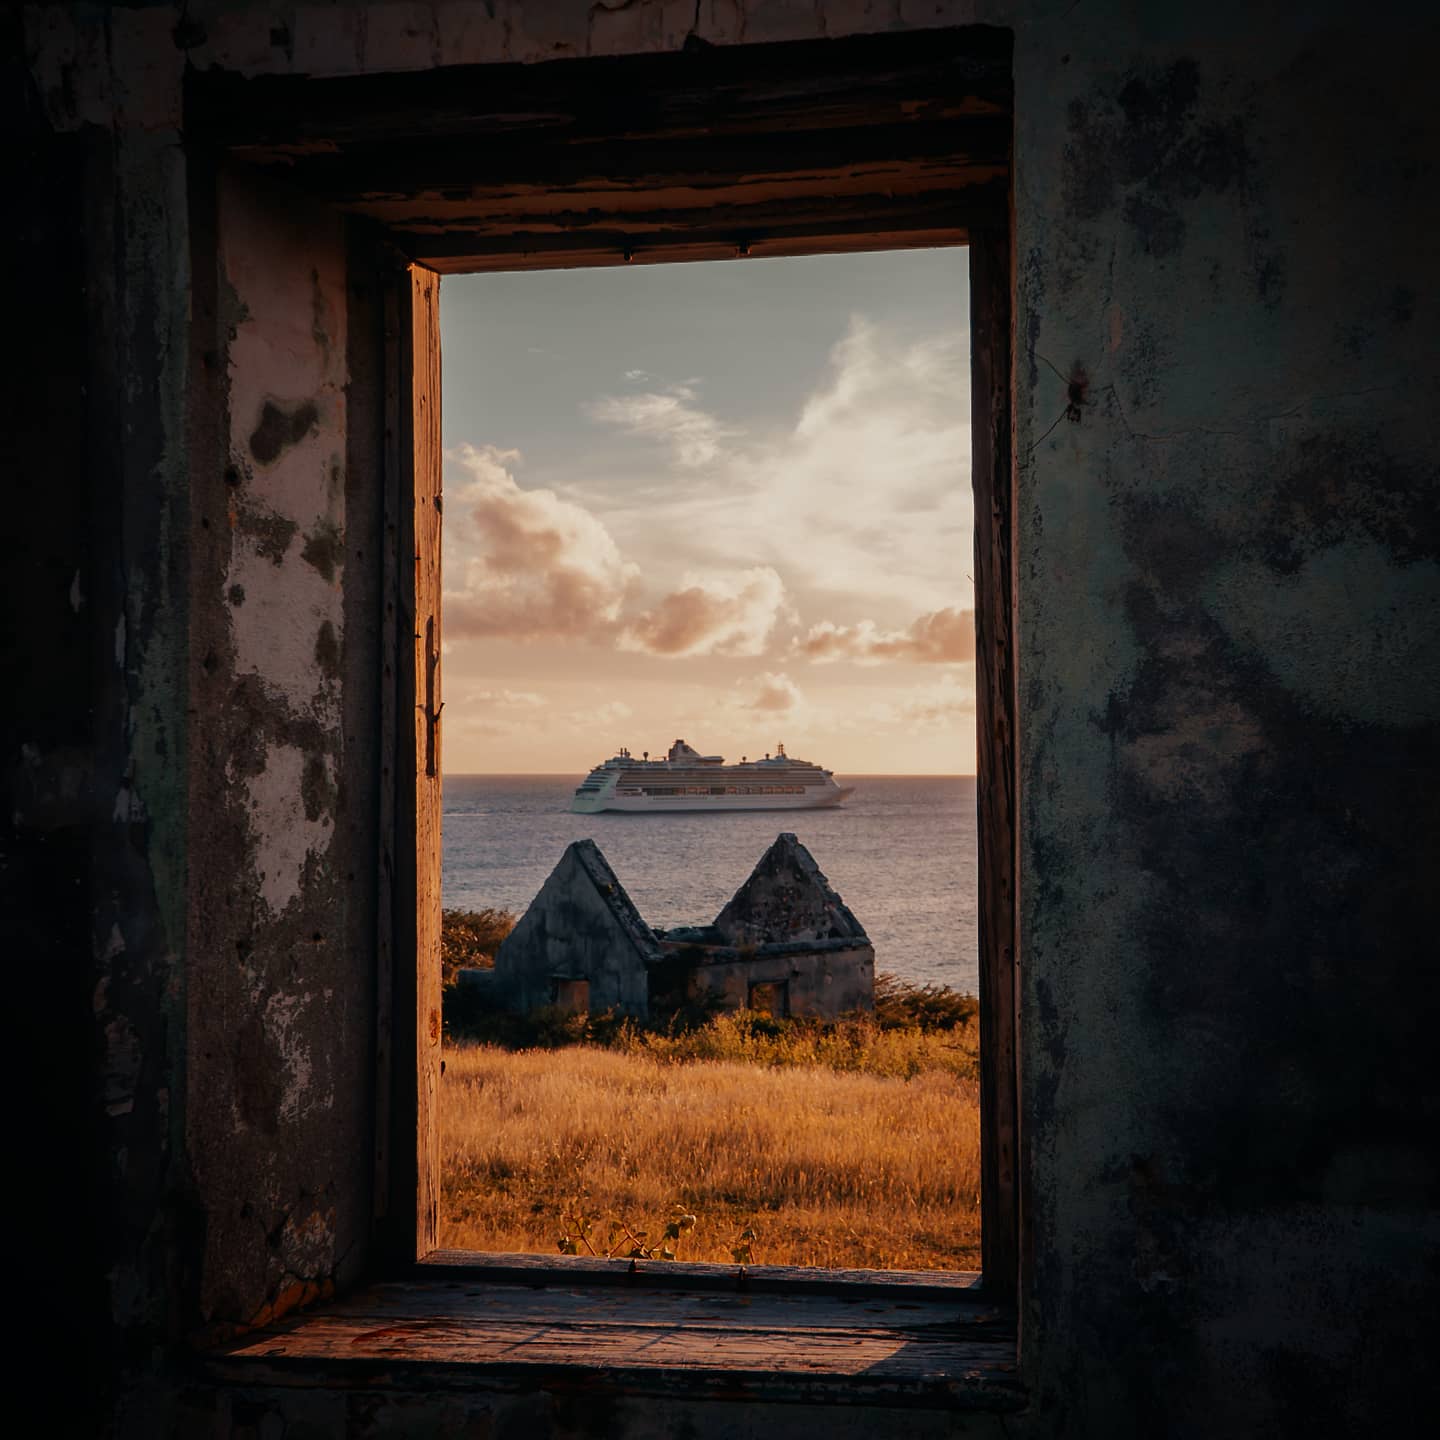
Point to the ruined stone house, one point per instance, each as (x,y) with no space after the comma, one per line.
(784,943)
(1204,382)
(580,945)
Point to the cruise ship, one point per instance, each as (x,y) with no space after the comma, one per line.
(687,780)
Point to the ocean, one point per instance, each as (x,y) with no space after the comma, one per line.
(900,851)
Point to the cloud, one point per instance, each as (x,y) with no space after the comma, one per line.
(777,694)
(867,490)
(941,637)
(510,699)
(530,565)
(711,617)
(593,718)
(938,706)
(610,711)
(943,706)
(860,504)
(670,416)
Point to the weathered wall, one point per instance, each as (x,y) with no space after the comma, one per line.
(1230,644)
(786,897)
(581,926)
(62,725)
(94,806)
(824,982)
(1227,597)
(283,646)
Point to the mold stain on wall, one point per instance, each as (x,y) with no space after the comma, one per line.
(287,446)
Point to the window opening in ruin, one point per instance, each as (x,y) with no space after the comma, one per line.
(770,997)
(830,148)
(730,504)
(570,996)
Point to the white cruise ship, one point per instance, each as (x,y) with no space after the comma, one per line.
(688,780)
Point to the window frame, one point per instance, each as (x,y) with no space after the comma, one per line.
(367,146)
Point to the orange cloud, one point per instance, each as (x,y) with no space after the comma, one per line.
(530,564)
(942,637)
(711,617)
(777,693)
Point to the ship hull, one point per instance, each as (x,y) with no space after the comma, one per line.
(823,799)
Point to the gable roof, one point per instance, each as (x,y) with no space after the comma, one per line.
(787,897)
(583,871)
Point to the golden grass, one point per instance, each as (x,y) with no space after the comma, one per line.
(832,1169)
(854,1044)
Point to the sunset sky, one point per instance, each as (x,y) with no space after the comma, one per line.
(725,501)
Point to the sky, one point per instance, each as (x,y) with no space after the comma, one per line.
(724,501)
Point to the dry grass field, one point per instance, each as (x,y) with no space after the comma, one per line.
(829,1167)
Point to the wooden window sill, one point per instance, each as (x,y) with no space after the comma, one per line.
(900,1339)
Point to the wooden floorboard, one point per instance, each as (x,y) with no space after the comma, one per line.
(955,1352)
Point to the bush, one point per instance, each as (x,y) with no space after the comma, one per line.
(546,1028)
(470,938)
(903,1005)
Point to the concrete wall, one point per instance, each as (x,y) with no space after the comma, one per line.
(1227,589)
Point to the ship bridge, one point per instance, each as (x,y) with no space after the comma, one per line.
(681,753)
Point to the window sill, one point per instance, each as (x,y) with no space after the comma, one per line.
(684,1331)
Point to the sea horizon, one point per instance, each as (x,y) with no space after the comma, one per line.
(901,852)
(560,774)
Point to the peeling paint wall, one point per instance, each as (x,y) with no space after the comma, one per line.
(285,291)
(1227,580)
(281,939)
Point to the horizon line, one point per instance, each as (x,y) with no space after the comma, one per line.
(568,774)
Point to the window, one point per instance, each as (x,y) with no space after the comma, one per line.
(769,997)
(881,142)
(571,996)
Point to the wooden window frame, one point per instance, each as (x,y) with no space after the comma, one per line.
(873,143)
